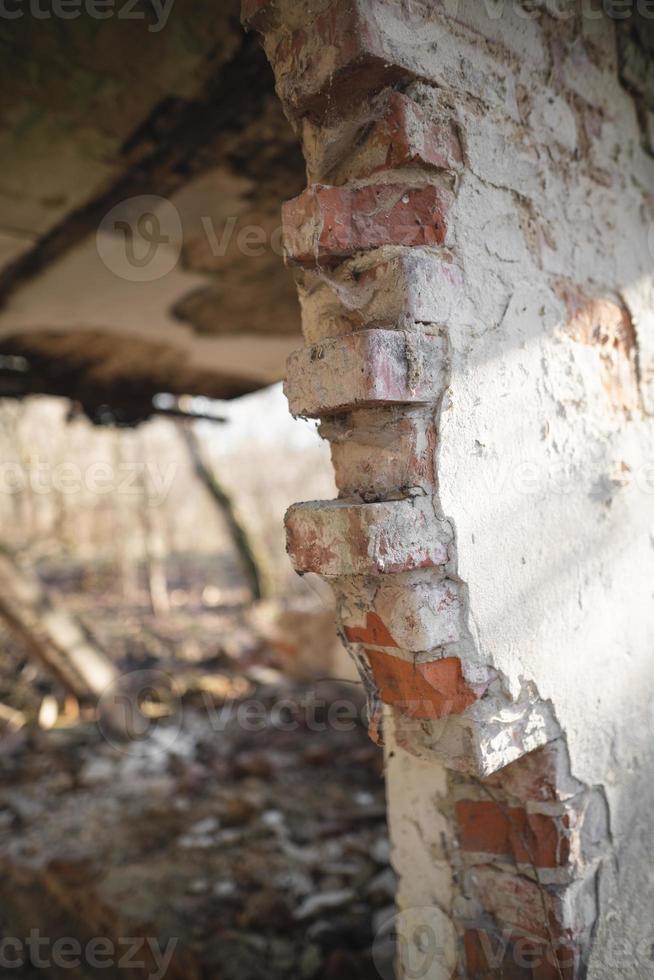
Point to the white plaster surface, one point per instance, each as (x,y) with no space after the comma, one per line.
(549,486)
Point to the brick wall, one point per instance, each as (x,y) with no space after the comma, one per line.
(472,265)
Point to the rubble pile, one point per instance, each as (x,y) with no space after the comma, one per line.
(239,834)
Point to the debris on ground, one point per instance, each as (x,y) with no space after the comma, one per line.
(241,830)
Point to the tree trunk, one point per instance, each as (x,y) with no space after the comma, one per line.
(245,547)
(155,554)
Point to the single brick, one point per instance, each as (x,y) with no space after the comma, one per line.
(370,367)
(403,136)
(326,224)
(411,289)
(488,736)
(337,538)
(424,690)
(376,454)
(488,827)
(542,776)
(338,56)
(420,610)
(516,901)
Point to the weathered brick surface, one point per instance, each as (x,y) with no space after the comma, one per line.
(402,136)
(411,288)
(337,538)
(517,902)
(377,263)
(490,733)
(432,689)
(542,776)
(420,610)
(374,633)
(326,224)
(375,453)
(490,827)
(606,325)
(370,367)
(333,55)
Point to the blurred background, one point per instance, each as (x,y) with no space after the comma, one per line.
(183,750)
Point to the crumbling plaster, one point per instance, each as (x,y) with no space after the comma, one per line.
(501,206)
(549,486)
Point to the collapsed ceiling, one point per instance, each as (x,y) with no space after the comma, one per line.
(143,169)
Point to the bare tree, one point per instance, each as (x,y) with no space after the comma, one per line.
(253,564)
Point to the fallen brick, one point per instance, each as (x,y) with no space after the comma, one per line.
(424,690)
(487,827)
(326,224)
(370,367)
(337,538)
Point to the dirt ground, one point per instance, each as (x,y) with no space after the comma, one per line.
(239,834)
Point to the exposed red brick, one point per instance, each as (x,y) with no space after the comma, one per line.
(603,323)
(369,367)
(259,14)
(528,838)
(404,136)
(515,901)
(374,632)
(428,690)
(379,456)
(537,776)
(337,538)
(326,224)
(333,61)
